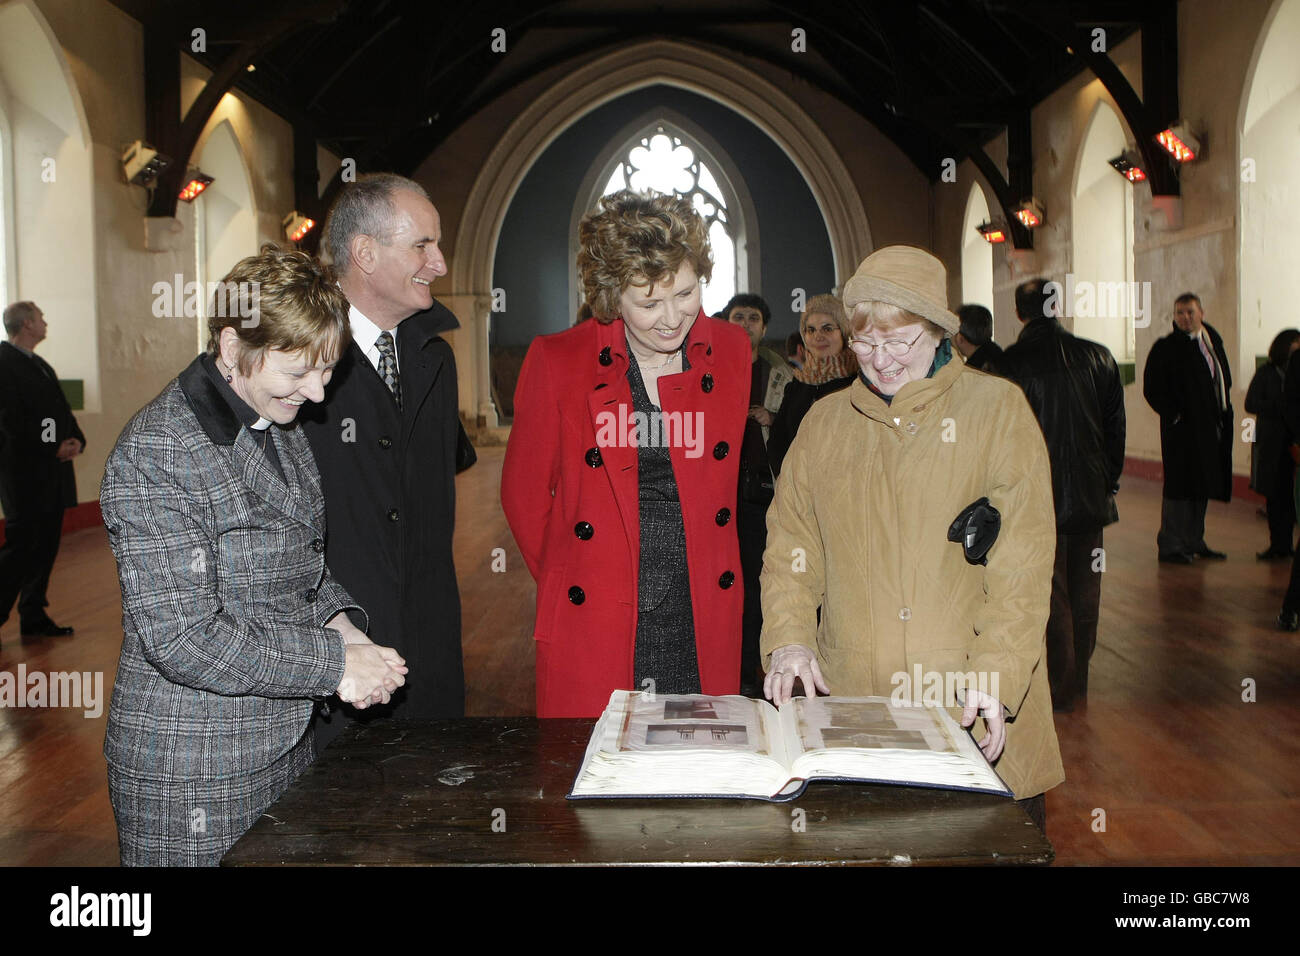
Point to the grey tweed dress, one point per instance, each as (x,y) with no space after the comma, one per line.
(665,626)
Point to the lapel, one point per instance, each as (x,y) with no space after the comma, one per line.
(610,391)
(247,458)
(419,361)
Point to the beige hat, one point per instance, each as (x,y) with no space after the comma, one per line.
(907,277)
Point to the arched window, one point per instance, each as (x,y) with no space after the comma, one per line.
(1102,241)
(6,208)
(976,253)
(1269,188)
(225,224)
(46,194)
(667,154)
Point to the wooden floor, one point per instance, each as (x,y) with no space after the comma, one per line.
(1168,756)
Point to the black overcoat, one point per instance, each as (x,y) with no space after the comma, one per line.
(1272,446)
(390,504)
(34,419)
(1195,437)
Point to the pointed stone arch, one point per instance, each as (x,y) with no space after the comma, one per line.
(656,62)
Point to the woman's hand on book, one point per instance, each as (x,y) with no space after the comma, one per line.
(789,662)
(995,722)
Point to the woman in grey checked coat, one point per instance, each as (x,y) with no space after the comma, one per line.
(233,627)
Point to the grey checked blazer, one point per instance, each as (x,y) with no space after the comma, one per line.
(224,589)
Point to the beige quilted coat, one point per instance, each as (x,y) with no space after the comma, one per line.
(859,527)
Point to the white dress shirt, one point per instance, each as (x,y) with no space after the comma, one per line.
(366,333)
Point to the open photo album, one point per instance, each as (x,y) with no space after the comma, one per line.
(662,745)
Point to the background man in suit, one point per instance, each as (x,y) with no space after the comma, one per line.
(975,339)
(1187,381)
(39,438)
(385,440)
(1074,388)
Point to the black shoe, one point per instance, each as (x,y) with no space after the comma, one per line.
(1271,555)
(1177,557)
(1288,621)
(45,628)
(1211,554)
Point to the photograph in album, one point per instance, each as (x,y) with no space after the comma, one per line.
(648,745)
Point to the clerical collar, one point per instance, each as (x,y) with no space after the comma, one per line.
(247,417)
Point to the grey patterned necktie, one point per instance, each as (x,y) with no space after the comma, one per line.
(388,365)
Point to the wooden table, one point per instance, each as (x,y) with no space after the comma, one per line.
(491,791)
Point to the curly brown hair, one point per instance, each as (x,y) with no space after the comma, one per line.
(283,300)
(636,239)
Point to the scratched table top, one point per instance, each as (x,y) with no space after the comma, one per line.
(492,791)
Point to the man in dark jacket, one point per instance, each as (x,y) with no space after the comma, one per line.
(1188,382)
(974,340)
(385,441)
(39,437)
(1074,388)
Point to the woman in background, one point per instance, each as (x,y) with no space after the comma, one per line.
(1272,470)
(829,367)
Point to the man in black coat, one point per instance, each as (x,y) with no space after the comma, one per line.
(385,441)
(974,340)
(1074,388)
(39,437)
(1189,383)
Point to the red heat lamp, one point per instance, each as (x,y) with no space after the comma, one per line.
(1179,142)
(992,232)
(1128,165)
(296,225)
(198,182)
(1031,213)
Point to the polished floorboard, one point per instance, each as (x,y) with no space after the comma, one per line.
(1169,764)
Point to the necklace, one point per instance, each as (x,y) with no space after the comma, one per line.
(664,364)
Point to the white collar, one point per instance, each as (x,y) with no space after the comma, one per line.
(364,332)
(261,425)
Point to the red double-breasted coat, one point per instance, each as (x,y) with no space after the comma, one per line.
(569,487)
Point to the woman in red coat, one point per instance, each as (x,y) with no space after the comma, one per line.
(620,477)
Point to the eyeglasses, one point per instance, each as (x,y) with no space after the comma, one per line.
(895,347)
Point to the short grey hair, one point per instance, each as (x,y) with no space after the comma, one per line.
(16,316)
(363,208)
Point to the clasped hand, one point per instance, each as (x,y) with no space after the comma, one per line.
(371,672)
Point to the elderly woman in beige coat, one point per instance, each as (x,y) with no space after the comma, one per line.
(859,529)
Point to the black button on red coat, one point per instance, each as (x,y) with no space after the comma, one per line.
(720,450)
(576,596)
(593,457)
(726,580)
(723,516)
(605,357)
(584,530)
(706,382)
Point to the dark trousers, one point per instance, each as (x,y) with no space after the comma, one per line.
(26,560)
(1182,525)
(751,528)
(1281,507)
(1072,623)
